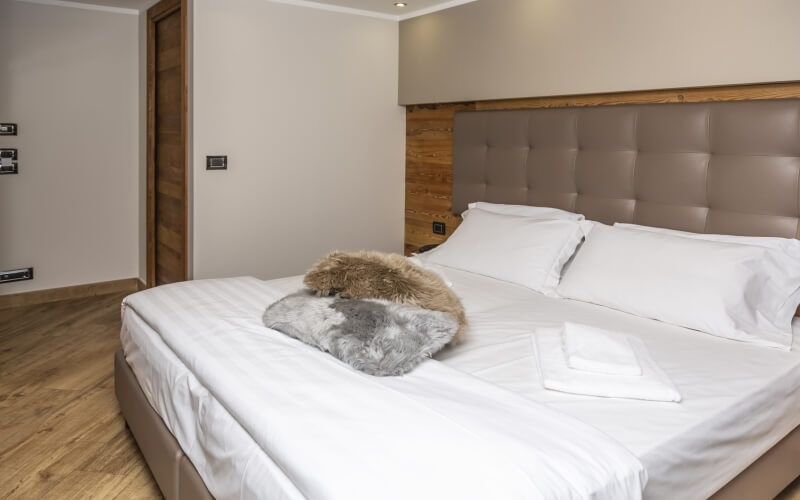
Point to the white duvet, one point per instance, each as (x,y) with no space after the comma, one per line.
(336,433)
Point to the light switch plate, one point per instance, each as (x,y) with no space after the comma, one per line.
(216,163)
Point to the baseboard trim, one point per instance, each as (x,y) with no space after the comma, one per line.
(70,292)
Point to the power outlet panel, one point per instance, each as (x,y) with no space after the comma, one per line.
(8,129)
(439,227)
(25,273)
(8,161)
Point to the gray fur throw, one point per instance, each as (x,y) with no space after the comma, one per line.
(375,336)
(387,276)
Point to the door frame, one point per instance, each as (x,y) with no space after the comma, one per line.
(155,14)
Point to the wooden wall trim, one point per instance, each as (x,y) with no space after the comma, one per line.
(429,143)
(128,285)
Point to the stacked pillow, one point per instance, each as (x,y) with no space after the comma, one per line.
(740,288)
(539,213)
(528,248)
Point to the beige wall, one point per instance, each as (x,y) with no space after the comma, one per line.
(494,49)
(69,77)
(304,103)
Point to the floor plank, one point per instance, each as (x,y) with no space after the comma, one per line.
(792,492)
(61,432)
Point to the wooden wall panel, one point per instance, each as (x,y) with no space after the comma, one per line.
(429,143)
(429,172)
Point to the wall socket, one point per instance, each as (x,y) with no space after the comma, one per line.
(25,273)
(8,129)
(8,161)
(438,227)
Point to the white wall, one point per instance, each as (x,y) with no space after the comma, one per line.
(304,103)
(69,77)
(496,49)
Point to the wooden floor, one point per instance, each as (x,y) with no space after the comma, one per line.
(61,432)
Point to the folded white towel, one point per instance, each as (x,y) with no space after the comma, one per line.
(653,384)
(596,350)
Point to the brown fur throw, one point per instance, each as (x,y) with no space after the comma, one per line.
(377,275)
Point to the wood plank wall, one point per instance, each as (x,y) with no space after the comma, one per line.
(429,143)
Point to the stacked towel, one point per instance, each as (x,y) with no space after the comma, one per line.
(599,352)
(595,350)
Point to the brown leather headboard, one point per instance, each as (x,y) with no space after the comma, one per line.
(722,167)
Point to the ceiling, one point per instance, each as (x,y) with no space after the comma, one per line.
(128,6)
(414,7)
(379,8)
(122,4)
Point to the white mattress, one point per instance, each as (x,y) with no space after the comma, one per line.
(738,399)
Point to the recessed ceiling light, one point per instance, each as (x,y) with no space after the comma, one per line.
(400,4)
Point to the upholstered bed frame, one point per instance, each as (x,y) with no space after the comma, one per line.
(174,473)
(725,167)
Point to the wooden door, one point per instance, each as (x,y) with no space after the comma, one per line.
(167,259)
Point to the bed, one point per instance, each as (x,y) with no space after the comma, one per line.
(729,168)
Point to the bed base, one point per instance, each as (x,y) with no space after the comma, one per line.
(179,480)
(174,473)
(767,476)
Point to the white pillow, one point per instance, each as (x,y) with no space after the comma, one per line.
(542,213)
(741,292)
(789,246)
(418,260)
(519,250)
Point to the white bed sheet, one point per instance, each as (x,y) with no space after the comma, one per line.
(229,461)
(739,399)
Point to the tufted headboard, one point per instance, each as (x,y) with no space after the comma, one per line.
(721,167)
